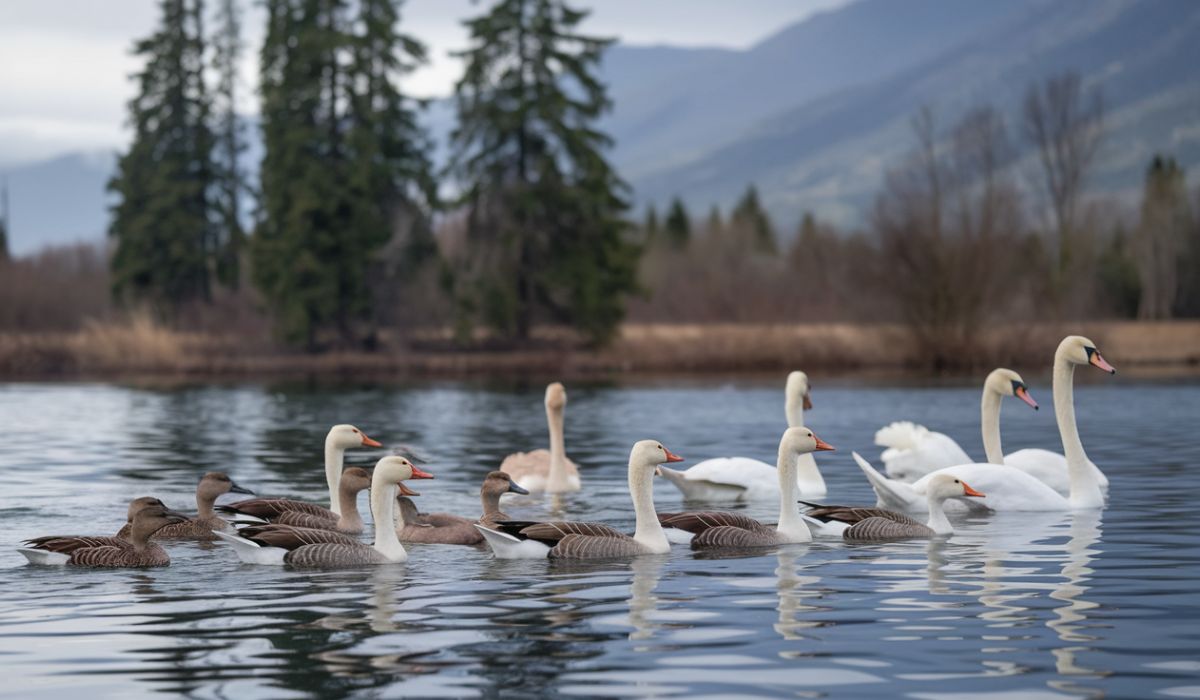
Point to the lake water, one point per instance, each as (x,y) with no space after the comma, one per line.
(1061,605)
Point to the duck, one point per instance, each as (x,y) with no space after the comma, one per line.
(861,524)
(200,527)
(275,544)
(583,540)
(546,471)
(1009,488)
(354,480)
(446,528)
(108,552)
(711,529)
(744,478)
(339,439)
(495,485)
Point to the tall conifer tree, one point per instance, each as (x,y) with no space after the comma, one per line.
(545,230)
(164,236)
(342,150)
(230,144)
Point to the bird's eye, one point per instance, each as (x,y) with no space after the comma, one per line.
(956,481)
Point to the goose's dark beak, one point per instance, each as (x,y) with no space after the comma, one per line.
(513,487)
(240,489)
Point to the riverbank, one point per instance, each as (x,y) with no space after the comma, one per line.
(141,348)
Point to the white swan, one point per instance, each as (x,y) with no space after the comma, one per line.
(914,451)
(742,478)
(1007,487)
(541,470)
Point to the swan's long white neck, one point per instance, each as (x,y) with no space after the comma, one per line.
(1085,489)
(791,526)
(334,457)
(556,480)
(937,516)
(795,410)
(809,475)
(989,423)
(383,509)
(648,532)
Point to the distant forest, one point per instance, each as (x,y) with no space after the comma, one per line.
(358,241)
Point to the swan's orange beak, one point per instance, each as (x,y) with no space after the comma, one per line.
(1095,359)
(368,442)
(672,457)
(807,402)
(418,473)
(968,491)
(822,445)
(1023,393)
(405,491)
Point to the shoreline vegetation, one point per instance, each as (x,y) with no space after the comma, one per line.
(140,347)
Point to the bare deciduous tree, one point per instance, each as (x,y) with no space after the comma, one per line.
(1065,126)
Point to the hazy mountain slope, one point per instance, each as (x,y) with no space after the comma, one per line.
(671,109)
(59,201)
(829,153)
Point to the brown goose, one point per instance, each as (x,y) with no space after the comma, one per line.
(495,485)
(710,529)
(280,545)
(879,524)
(445,528)
(67,543)
(110,552)
(281,511)
(575,540)
(542,470)
(200,527)
(339,439)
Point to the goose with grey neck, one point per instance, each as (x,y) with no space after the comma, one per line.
(744,478)
(1009,488)
(858,524)
(542,470)
(339,439)
(714,529)
(306,547)
(108,552)
(199,527)
(582,540)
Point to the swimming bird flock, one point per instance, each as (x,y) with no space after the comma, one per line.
(925,476)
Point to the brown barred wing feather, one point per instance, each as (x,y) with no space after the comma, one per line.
(879,529)
(726,536)
(696,522)
(333,554)
(578,546)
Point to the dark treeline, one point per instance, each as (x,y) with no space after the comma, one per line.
(350,234)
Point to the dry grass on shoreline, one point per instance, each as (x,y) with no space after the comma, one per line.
(137,346)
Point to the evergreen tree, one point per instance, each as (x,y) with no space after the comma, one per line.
(749,216)
(165,239)
(1162,237)
(545,230)
(715,225)
(4,255)
(677,227)
(342,150)
(650,227)
(230,179)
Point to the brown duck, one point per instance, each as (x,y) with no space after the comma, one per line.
(201,526)
(108,552)
(283,511)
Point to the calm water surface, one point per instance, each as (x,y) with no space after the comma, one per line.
(1034,605)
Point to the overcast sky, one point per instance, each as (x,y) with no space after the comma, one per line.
(64,64)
